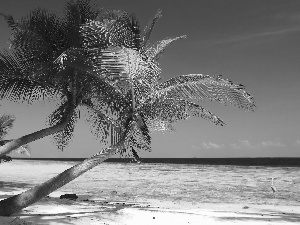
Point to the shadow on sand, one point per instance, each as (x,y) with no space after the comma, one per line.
(263,216)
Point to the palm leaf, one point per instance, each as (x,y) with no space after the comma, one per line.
(125,31)
(114,28)
(136,139)
(75,58)
(102,127)
(21,90)
(6,124)
(10,20)
(39,36)
(127,67)
(77,13)
(158,124)
(141,124)
(155,51)
(161,113)
(198,111)
(16,84)
(30,45)
(62,138)
(23,150)
(94,35)
(104,96)
(200,87)
(149,28)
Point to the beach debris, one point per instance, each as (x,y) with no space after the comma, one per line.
(5,158)
(18,221)
(69,196)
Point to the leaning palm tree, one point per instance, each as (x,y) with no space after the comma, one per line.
(51,63)
(122,57)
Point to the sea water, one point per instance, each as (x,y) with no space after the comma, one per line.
(163,182)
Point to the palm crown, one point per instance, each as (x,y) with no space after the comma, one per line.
(46,60)
(128,62)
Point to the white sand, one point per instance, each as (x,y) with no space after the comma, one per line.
(53,210)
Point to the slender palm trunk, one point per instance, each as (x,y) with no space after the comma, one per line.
(16,143)
(15,203)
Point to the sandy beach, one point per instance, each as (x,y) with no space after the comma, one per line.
(162,194)
(53,210)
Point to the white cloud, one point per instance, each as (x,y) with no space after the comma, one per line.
(272,144)
(245,144)
(297,143)
(242,144)
(235,146)
(263,34)
(210,145)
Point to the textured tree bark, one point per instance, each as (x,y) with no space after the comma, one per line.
(16,143)
(15,203)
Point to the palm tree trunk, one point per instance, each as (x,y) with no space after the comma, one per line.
(16,143)
(15,203)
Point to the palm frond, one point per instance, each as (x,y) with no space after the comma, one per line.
(6,124)
(141,124)
(125,31)
(123,64)
(197,110)
(39,35)
(15,83)
(75,58)
(10,20)
(200,87)
(95,35)
(62,138)
(136,139)
(16,89)
(102,127)
(154,52)
(161,113)
(158,124)
(104,96)
(30,45)
(80,11)
(77,13)
(114,28)
(149,28)
(13,64)
(23,150)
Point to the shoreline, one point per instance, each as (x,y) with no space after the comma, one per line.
(248,161)
(87,210)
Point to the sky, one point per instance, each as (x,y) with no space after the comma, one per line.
(255,43)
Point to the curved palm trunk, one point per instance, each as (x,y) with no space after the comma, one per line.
(16,143)
(14,204)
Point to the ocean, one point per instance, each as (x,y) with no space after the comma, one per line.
(199,183)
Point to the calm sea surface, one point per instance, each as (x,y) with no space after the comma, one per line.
(171,182)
